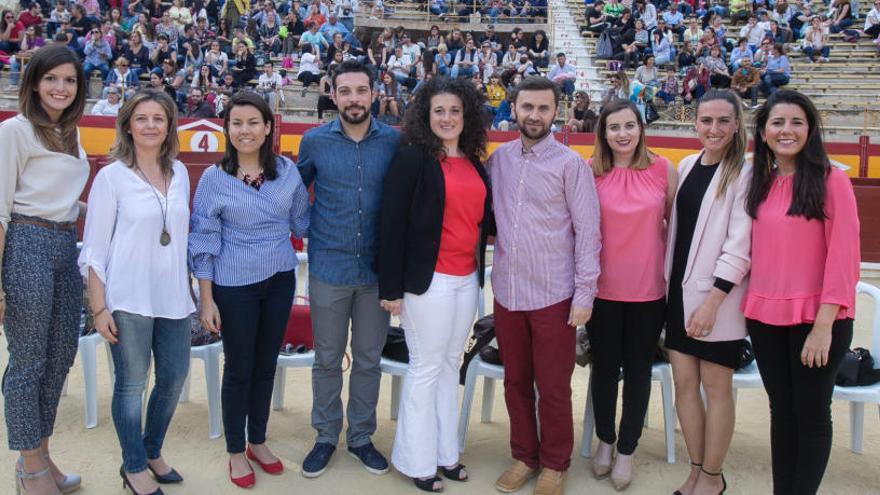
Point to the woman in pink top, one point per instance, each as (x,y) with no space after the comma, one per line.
(707,266)
(800,304)
(635,191)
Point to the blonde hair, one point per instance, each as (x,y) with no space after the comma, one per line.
(734,155)
(603,157)
(123,148)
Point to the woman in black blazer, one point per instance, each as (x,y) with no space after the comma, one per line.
(434,222)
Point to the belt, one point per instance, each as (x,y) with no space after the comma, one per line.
(46,224)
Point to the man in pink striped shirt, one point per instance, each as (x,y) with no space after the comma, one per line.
(544,277)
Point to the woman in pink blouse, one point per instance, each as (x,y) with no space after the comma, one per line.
(800,304)
(635,189)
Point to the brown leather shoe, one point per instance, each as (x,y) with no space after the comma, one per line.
(550,482)
(515,477)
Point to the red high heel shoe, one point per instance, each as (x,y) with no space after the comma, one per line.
(245,481)
(270,468)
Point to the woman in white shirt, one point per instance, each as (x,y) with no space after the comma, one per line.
(42,174)
(134,256)
(309,68)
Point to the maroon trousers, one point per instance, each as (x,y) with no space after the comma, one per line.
(538,349)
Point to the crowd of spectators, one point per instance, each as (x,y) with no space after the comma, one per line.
(202,51)
(692,41)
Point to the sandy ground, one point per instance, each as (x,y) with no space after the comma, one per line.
(95,453)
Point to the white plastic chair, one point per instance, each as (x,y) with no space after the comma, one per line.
(747,377)
(490,372)
(88,353)
(210,356)
(870,394)
(304,360)
(397,370)
(661,372)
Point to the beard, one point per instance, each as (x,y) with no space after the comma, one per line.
(354,119)
(533,135)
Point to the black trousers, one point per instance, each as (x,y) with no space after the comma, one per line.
(800,402)
(623,335)
(253,318)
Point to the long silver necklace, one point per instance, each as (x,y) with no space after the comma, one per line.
(164,237)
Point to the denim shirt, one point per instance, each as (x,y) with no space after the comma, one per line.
(348,176)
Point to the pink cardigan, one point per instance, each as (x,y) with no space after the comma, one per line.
(800,264)
(720,248)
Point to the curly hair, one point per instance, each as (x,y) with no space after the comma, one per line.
(416,121)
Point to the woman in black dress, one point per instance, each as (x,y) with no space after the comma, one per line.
(707,265)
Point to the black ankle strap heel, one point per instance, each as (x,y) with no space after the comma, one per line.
(719,473)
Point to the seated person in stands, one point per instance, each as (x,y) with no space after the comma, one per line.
(776,33)
(648,74)
(739,10)
(597,20)
(662,48)
(309,68)
(842,17)
(763,54)
(816,41)
(199,107)
(122,78)
(753,33)
(163,51)
(465,64)
(504,120)
(158,82)
(110,104)
(695,84)
(618,88)
(227,85)
(625,23)
(674,20)
(563,74)
(442,61)
(872,21)
(719,76)
(634,50)
(668,86)
(800,19)
(745,81)
(495,93)
(325,99)
(777,71)
(400,69)
(583,119)
(389,96)
(269,84)
(613,9)
(525,67)
(539,49)
(740,52)
(438,7)
(245,66)
(687,56)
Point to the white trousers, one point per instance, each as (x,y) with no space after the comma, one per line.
(436,325)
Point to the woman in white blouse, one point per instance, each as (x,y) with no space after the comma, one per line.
(134,256)
(42,174)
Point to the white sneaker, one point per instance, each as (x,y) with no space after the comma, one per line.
(825,59)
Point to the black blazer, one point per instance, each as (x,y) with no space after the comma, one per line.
(411,221)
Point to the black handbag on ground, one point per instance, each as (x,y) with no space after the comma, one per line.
(483,333)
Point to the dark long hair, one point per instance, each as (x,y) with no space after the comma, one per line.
(58,136)
(416,121)
(812,163)
(229,162)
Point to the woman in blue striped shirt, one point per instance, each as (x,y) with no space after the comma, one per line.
(243,213)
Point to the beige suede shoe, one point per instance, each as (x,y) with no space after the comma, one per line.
(550,482)
(515,477)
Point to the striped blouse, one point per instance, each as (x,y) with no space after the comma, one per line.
(240,235)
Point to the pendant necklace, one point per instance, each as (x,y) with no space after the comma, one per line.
(164,237)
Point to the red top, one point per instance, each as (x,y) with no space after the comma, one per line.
(632,205)
(462,214)
(799,264)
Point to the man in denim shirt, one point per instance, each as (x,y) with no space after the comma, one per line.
(346,159)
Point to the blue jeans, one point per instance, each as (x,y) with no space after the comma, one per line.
(437,10)
(567,87)
(771,81)
(460,71)
(840,26)
(88,68)
(254,318)
(809,51)
(14,72)
(141,338)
